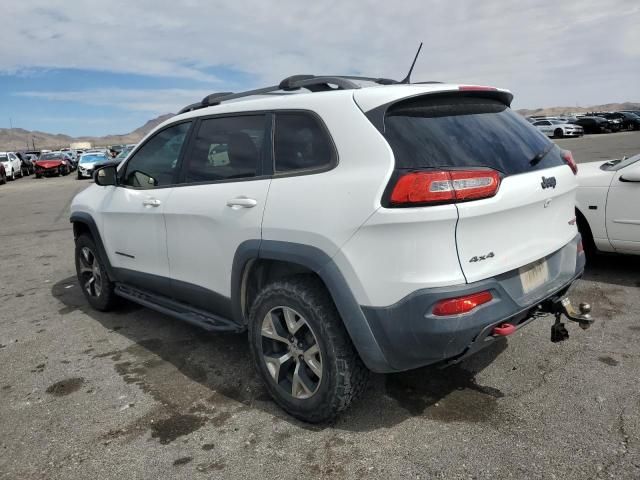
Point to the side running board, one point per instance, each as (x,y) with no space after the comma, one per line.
(181,311)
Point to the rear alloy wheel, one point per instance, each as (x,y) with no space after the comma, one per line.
(92,275)
(558,133)
(302,351)
(291,353)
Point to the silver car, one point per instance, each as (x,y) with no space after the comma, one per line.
(87,163)
(558,129)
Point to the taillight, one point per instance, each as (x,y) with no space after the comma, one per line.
(568,159)
(432,187)
(459,305)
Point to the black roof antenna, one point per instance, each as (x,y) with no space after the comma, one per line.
(407,79)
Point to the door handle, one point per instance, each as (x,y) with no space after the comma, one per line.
(241,202)
(151,202)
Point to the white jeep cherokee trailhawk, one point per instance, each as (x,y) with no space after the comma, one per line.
(349,224)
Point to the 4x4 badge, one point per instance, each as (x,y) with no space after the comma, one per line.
(548,182)
(479,258)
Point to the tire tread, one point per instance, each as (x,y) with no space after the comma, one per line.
(352,374)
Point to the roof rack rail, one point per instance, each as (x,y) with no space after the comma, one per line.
(202,103)
(295,82)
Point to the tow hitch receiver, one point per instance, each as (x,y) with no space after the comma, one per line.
(563,307)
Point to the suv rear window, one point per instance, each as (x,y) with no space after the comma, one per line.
(461,132)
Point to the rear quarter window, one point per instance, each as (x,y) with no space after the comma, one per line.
(301,143)
(464,132)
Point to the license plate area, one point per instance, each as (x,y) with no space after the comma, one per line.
(534,275)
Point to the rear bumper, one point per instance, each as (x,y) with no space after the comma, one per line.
(410,336)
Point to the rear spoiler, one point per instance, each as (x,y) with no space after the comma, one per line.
(377,114)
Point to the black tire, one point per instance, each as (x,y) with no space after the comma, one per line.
(589,245)
(104,298)
(558,133)
(343,375)
(12,177)
(3,178)
(38,175)
(79,176)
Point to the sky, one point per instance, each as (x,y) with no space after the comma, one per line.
(106,67)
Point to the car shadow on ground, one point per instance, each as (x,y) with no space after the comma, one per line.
(623,270)
(221,364)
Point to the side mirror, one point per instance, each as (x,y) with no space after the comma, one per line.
(107,175)
(632,175)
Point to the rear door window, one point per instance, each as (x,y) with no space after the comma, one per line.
(301,143)
(227,148)
(461,132)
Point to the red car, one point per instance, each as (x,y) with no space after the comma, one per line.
(50,164)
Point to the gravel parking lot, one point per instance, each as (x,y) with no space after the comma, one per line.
(135,394)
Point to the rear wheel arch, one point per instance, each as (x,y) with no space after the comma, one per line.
(275,260)
(585,231)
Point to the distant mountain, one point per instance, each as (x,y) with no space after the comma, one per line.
(557,111)
(19,138)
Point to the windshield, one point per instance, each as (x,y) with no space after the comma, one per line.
(617,164)
(462,132)
(50,156)
(123,154)
(92,158)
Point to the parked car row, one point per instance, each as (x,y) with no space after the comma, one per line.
(62,162)
(596,122)
(91,160)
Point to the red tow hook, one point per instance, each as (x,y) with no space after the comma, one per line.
(504,330)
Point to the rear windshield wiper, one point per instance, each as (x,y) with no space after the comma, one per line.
(539,156)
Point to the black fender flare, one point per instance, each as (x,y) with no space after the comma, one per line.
(322,264)
(585,230)
(86,219)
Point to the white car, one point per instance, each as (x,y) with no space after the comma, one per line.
(12,165)
(349,224)
(608,205)
(558,128)
(87,163)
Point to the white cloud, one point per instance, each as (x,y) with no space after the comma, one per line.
(154,101)
(547,51)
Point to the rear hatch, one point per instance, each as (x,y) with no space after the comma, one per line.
(512,187)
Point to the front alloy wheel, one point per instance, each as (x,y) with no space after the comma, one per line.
(291,353)
(98,289)
(90,275)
